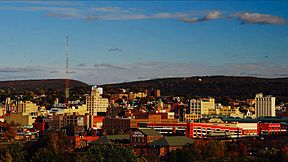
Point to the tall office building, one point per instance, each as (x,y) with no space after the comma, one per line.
(201,106)
(96,105)
(264,106)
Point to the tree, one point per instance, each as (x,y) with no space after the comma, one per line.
(5,156)
(214,149)
(16,151)
(101,153)
(43,155)
(9,132)
(55,141)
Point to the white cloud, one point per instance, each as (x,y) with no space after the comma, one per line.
(213,15)
(108,9)
(256,18)
(210,16)
(137,16)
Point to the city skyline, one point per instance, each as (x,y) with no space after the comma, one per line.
(126,41)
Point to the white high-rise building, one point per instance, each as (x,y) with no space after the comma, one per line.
(95,103)
(264,106)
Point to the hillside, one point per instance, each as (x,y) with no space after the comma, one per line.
(210,86)
(55,84)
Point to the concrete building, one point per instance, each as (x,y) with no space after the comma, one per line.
(192,117)
(201,106)
(132,95)
(26,107)
(75,119)
(203,130)
(79,109)
(96,105)
(119,125)
(264,106)
(157,93)
(24,120)
(2,110)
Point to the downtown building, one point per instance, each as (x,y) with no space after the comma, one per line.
(96,105)
(264,105)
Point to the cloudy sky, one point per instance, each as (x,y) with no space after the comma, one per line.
(116,41)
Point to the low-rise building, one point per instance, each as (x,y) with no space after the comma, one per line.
(60,120)
(170,143)
(24,120)
(192,117)
(202,130)
(271,129)
(144,136)
(117,125)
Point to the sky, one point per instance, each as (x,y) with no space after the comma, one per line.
(121,41)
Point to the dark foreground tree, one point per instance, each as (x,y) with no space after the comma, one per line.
(107,153)
(13,152)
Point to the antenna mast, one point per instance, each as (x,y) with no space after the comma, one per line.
(66,75)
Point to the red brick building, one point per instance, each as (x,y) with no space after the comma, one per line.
(270,129)
(118,125)
(142,137)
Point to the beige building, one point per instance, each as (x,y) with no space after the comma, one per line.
(25,114)
(192,117)
(2,110)
(249,129)
(132,95)
(24,120)
(81,110)
(95,103)
(26,107)
(201,106)
(264,106)
(225,110)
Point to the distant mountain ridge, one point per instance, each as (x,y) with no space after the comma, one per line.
(42,83)
(183,86)
(210,86)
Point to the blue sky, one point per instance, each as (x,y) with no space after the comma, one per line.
(117,41)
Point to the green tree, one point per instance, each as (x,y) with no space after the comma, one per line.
(55,141)
(43,155)
(214,149)
(101,153)
(5,156)
(16,151)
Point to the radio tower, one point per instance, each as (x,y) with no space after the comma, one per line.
(66,76)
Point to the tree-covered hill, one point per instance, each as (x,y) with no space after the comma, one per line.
(55,84)
(210,86)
